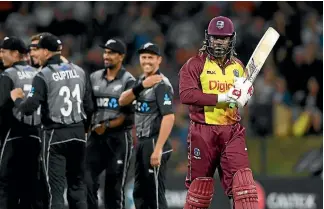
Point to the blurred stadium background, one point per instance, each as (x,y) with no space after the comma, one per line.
(284,120)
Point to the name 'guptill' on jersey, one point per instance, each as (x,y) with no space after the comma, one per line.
(64,98)
(64,92)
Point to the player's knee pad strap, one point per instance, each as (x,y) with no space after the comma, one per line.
(200,193)
(245,194)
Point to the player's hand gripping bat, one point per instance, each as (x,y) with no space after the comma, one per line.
(260,55)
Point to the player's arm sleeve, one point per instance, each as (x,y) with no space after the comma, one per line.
(189,91)
(6,85)
(164,99)
(128,110)
(36,96)
(88,102)
(128,96)
(129,85)
(88,99)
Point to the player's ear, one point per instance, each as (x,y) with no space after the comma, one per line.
(122,57)
(15,53)
(160,59)
(46,52)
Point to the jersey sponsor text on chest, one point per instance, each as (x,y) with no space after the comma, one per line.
(220,86)
(107,102)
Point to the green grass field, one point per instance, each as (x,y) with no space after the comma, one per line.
(282,154)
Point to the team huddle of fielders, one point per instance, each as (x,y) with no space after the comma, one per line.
(65,126)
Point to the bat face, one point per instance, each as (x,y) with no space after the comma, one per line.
(261,53)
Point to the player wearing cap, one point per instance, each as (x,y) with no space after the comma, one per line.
(33,49)
(21,147)
(64,94)
(110,143)
(33,58)
(216,139)
(154,119)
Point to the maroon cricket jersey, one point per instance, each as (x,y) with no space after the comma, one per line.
(201,80)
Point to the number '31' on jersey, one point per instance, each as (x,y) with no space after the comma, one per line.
(63,91)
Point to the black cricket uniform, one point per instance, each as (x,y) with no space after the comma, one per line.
(5,115)
(4,125)
(64,93)
(151,105)
(112,150)
(19,158)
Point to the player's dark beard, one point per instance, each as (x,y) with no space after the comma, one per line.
(110,66)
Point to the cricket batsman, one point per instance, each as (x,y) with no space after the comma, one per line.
(209,82)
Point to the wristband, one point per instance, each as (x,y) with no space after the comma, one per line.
(221,97)
(138,89)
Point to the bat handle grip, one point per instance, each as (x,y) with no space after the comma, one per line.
(232,105)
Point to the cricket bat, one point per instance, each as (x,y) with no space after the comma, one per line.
(260,55)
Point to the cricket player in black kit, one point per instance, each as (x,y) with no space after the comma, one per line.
(110,143)
(64,94)
(154,119)
(21,146)
(4,125)
(33,53)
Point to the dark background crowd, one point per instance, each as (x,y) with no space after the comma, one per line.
(288,94)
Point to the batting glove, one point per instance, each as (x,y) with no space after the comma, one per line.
(231,96)
(246,93)
(238,82)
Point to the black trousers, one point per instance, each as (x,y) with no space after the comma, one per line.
(4,128)
(149,186)
(110,152)
(19,168)
(64,163)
